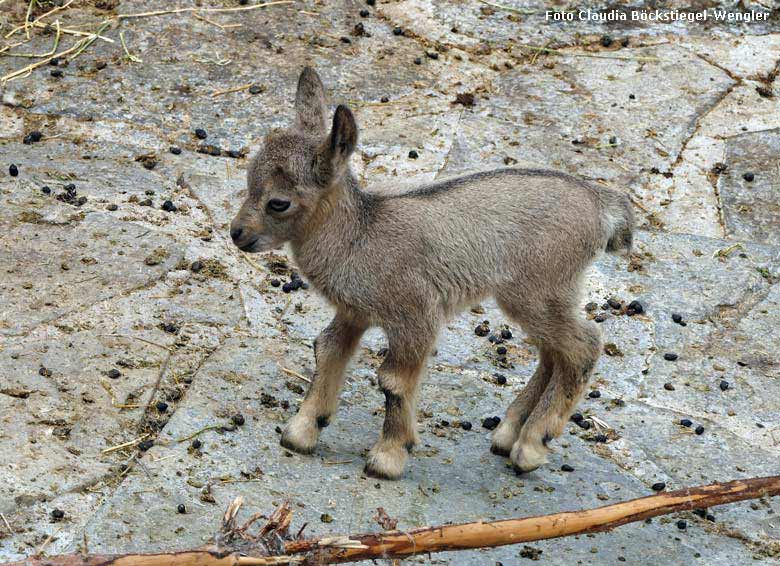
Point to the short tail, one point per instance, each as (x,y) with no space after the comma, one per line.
(618,221)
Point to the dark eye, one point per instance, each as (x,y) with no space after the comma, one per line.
(277,205)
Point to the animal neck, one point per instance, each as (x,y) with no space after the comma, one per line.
(332,228)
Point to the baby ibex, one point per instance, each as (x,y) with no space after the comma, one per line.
(406,262)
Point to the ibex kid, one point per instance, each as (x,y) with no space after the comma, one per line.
(406,262)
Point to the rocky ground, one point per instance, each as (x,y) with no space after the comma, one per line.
(131,328)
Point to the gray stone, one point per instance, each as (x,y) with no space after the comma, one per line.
(87,289)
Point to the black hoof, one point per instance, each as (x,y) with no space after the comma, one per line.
(498,451)
(285,442)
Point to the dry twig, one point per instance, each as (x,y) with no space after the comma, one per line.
(591,55)
(272,545)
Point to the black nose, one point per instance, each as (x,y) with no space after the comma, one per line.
(235,233)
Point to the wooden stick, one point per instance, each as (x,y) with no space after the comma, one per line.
(398,544)
(514,531)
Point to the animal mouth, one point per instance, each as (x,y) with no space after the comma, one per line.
(249,245)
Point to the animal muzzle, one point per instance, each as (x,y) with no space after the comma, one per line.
(243,237)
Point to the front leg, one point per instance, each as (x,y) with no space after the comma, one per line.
(333,349)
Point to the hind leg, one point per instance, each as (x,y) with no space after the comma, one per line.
(577,346)
(519,410)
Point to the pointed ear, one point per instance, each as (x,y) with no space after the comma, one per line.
(310,105)
(341,142)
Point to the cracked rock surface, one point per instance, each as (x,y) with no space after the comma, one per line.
(129,329)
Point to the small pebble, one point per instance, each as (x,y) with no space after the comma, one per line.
(13,170)
(114,373)
(577,418)
(175,150)
(112,207)
(482,330)
(599,318)
(56,73)
(591,306)
(44,372)
(682,525)
(491,422)
(749,177)
(169,327)
(724,385)
(418,61)
(699,429)
(465,425)
(238,419)
(432,54)
(325,518)
(32,137)
(595,394)
(398,31)
(287,287)
(196,266)
(659,486)
(606,41)
(668,386)
(686,422)
(384,99)
(636,306)
(584,424)
(145,445)
(501,350)
(196,444)
(162,406)
(275,283)
(567,468)
(670,356)
(500,379)
(364,13)
(181,508)
(614,303)
(600,438)
(57,514)
(45,190)
(700,512)
(371,2)
(201,134)
(676,318)
(168,206)
(631,97)
(256,89)
(710,517)
(506,334)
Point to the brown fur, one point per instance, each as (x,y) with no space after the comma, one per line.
(406,262)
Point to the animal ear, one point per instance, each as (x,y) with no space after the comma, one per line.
(341,142)
(310,105)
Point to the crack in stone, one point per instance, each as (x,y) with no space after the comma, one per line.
(78,310)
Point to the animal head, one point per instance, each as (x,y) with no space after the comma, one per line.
(294,170)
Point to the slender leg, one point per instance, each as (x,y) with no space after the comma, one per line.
(399,377)
(508,431)
(577,350)
(332,350)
